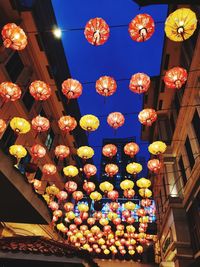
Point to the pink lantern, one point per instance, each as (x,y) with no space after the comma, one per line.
(67,123)
(89,187)
(53,205)
(147,116)
(9,92)
(77,195)
(113,195)
(175,78)
(115,120)
(154,165)
(106,86)
(111,169)
(62,195)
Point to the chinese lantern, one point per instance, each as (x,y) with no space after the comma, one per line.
(89,187)
(143,183)
(70,215)
(106,187)
(129,205)
(127,184)
(37,184)
(17,151)
(181,24)
(40,90)
(61,196)
(77,195)
(147,116)
(113,195)
(96,196)
(14,37)
(146,202)
(83,207)
(67,124)
(130,220)
(9,92)
(62,151)
(49,169)
(141,28)
(112,215)
(175,78)
(91,221)
(72,88)
(130,193)
(70,171)
(130,228)
(40,124)
(134,168)
(97,31)
(117,221)
(106,86)
(2,126)
(113,205)
(53,205)
(68,206)
(109,150)
(57,213)
(61,227)
(131,149)
(89,123)
(89,170)
(78,221)
(139,249)
(20,125)
(71,186)
(85,152)
(115,119)
(145,192)
(38,151)
(111,169)
(139,83)
(154,165)
(141,212)
(157,147)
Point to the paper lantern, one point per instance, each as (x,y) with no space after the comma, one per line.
(9,91)
(62,195)
(77,195)
(83,207)
(175,78)
(71,186)
(141,212)
(134,168)
(127,184)
(20,125)
(89,123)
(115,119)
(17,151)
(141,28)
(40,90)
(68,206)
(89,187)
(145,192)
(106,187)
(70,215)
(139,249)
(130,228)
(139,83)
(49,169)
(52,190)
(62,151)
(72,88)
(2,126)
(154,165)
(38,151)
(91,221)
(14,37)
(143,183)
(89,170)
(112,215)
(157,147)
(130,193)
(147,116)
(129,205)
(37,184)
(85,152)
(131,149)
(40,124)
(109,150)
(97,31)
(53,205)
(67,124)
(96,196)
(70,171)
(111,169)
(106,86)
(146,202)
(114,206)
(113,195)
(181,24)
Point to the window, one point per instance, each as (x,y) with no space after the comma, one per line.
(8,139)
(172,123)
(160,105)
(49,139)
(28,100)
(162,89)
(50,72)
(39,41)
(196,124)
(166,63)
(189,153)
(177,103)
(164,129)
(14,66)
(182,170)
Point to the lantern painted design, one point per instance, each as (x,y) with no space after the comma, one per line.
(71,186)
(139,83)
(113,195)
(111,169)
(67,123)
(53,205)
(134,168)
(9,91)
(97,31)
(143,183)
(141,28)
(106,187)
(40,124)
(52,190)
(154,165)
(96,196)
(2,126)
(70,171)
(62,151)
(89,123)
(72,88)
(175,78)
(77,195)
(14,37)
(89,170)
(89,187)
(157,147)
(40,90)
(38,151)
(127,184)
(181,24)
(115,119)
(17,151)
(131,149)
(85,152)
(49,169)
(145,192)
(20,125)
(147,116)
(109,150)
(106,86)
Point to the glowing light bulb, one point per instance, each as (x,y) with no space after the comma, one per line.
(57,33)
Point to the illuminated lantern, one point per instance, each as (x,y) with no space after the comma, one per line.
(147,116)
(146,202)
(96,196)
(130,193)
(38,151)
(83,207)
(14,37)
(2,126)
(77,195)
(91,221)
(40,90)
(109,150)
(104,221)
(127,184)
(131,149)
(89,170)
(106,251)
(106,187)
(111,169)
(71,186)
(49,169)
(95,229)
(180,24)
(9,91)
(139,249)
(61,227)
(145,192)
(141,28)
(89,123)
(57,213)
(157,148)
(62,195)
(115,119)
(68,206)
(130,228)
(62,151)
(143,183)
(89,187)
(17,151)
(154,165)
(114,206)
(37,184)
(112,215)
(129,205)
(139,83)
(71,88)
(113,195)
(46,198)
(70,215)
(134,168)
(117,221)
(126,214)
(52,190)
(20,125)
(67,124)
(78,221)
(40,124)
(53,205)
(70,171)
(85,152)
(141,212)
(175,78)
(130,220)
(97,31)
(131,252)
(106,86)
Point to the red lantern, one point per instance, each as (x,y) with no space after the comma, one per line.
(109,150)
(115,119)
(40,90)
(97,215)
(146,202)
(89,170)
(89,187)
(141,28)
(14,37)
(126,213)
(114,206)
(37,184)
(130,220)
(147,116)
(91,221)
(71,88)
(78,221)
(106,86)
(130,193)
(69,206)
(9,91)
(139,83)
(131,149)
(49,169)
(141,212)
(62,151)
(53,205)
(2,126)
(62,195)
(84,215)
(71,186)
(38,151)
(111,169)
(175,78)
(113,195)
(117,221)
(40,124)
(67,123)
(77,195)
(96,31)
(154,165)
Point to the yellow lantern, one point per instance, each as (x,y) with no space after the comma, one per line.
(112,215)
(134,168)
(157,147)
(145,192)
(101,241)
(181,24)
(46,198)
(144,219)
(126,184)
(83,207)
(61,227)
(79,235)
(95,229)
(129,205)
(119,233)
(143,183)
(130,229)
(117,243)
(70,171)
(104,221)
(106,187)
(20,125)
(139,249)
(132,241)
(52,190)
(131,252)
(96,196)
(86,246)
(106,251)
(17,151)
(85,152)
(70,215)
(89,123)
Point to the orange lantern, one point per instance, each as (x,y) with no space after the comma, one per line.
(113,195)
(141,28)
(96,31)
(62,151)
(147,116)
(49,169)
(77,195)
(139,83)
(131,149)
(2,126)
(115,119)
(109,150)
(62,195)
(14,37)
(72,88)
(67,123)
(89,187)
(40,124)
(9,91)
(146,202)
(38,151)
(89,170)
(154,165)
(175,78)
(111,169)
(40,90)
(71,186)
(106,86)
(129,193)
